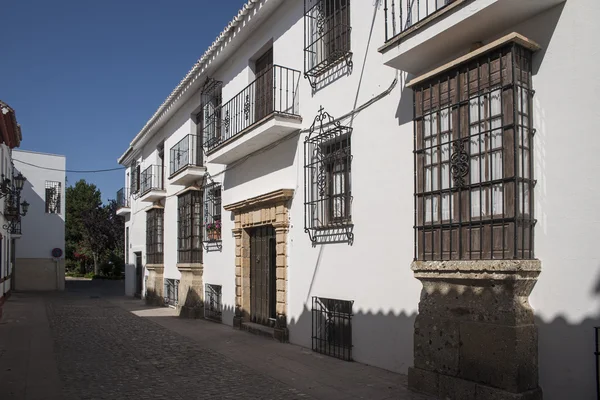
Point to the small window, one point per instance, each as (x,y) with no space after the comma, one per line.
(189,227)
(212,212)
(53,196)
(332,327)
(154,236)
(212,302)
(171,292)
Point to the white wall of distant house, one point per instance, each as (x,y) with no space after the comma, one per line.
(42,231)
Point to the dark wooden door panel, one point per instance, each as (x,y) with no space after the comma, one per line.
(262,275)
(264,85)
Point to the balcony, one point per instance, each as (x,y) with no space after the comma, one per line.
(151,184)
(422,34)
(186,161)
(123,203)
(262,113)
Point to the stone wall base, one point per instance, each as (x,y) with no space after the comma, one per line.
(453,388)
(191,291)
(475,335)
(155,285)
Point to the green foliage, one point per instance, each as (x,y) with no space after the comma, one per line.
(94,233)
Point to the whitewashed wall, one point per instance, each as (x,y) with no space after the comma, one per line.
(375,270)
(42,232)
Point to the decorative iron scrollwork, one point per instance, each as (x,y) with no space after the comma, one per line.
(459,163)
(227,121)
(247,107)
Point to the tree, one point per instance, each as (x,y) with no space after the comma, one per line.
(93,231)
(80,199)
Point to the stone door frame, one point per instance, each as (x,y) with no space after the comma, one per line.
(268,209)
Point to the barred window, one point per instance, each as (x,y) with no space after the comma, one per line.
(212,302)
(189,227)
(327,174)
(171,292)
(212,212)
(474,180)
(326,35)
(154,236)
(127,245)
(53,196)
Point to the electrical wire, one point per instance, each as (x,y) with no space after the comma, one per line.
(72,171)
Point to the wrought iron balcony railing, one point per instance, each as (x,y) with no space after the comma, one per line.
(188,151)
(273,92)
(15,228)
(123,198)
(152,179)
(400,15)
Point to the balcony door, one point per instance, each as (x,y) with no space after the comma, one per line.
(264,85)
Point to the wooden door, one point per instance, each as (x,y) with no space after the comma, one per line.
(139,275)
(262,275)
(264,86)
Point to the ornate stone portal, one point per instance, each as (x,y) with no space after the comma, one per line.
(268,209)
(475,336)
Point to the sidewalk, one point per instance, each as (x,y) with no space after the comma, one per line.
(28,367)
(311,373)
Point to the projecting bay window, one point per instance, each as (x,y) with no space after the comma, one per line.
(189,227)
(474,181)
(154,236)
(212,212)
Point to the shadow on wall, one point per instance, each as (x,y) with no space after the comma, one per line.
(274,159)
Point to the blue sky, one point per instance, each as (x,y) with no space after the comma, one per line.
(84,76)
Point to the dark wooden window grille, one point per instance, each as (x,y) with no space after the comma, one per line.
(327,30)
(332,327)
(53,196)
(474,173)
(327,179)
(171,292)
(209,119)
(189,227)
(154,236)
(213,308)
(212,212)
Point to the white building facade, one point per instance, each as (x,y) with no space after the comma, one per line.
(10,137)
(388,183)
(39,265)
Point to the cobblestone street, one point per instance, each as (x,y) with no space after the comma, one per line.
(88,343)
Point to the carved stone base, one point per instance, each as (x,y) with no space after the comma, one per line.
(475,336)
(191,291)
(155,285)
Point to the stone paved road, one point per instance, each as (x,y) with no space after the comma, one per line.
(104,352)
(92,343)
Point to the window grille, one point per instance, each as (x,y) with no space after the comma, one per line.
(212,302)
(474,173)
(212,212)
(171,292)
(53,196)
(327,181)
(135,177)
(327,31)
(209,118)
(332,327)
(189,227)
(154,236)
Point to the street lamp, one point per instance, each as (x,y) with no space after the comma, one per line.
(13,209)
